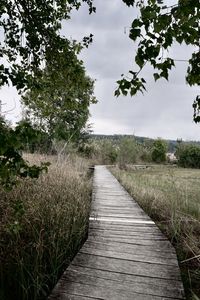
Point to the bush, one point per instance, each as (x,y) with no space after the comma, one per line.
(188,156)
(159,151)
(128,151)
(32,139)
(108,152)
(145,154)
(12,164)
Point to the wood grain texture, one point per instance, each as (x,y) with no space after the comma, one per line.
(125,256)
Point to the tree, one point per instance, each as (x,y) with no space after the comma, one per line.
(31,39)
(31,35)
(159,150)
(32,138)
(60,101)
(188,155)
(128,151)
(12,165)
(156,29)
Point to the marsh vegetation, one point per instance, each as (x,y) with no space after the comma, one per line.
(43,223)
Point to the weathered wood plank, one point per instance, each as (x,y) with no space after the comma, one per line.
(128,256)
(129,248)
(138,287)
(127,236)
(142,282)
(124,225)
(66,296)
(99,292)
(126,266)
(161,245)
(142,234)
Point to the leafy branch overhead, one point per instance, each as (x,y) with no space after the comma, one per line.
(156,29)
(31,30)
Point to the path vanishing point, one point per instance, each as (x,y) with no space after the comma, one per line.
(125,256)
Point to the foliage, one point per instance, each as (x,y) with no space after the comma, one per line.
(12,165)
(60,102)
(188,155)
(100,151)
(156,29)
(31,138)
(108,152)
(118,149)
(31,40)
(31,32)
(159,150)
(145,154)
(128,151)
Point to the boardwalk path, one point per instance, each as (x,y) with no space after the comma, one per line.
(125,257)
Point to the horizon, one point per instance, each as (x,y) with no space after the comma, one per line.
(145,137)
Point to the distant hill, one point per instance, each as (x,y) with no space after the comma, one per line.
(140,139)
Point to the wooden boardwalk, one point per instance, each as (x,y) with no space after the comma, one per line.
(125,256)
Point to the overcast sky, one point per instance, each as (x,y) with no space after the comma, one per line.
(165,110)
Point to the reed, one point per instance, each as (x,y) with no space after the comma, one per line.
(43,223)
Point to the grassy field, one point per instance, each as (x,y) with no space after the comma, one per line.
(43,223)
(171,196)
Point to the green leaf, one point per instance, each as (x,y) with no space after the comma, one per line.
(117,93)
(134,33)
(156,76)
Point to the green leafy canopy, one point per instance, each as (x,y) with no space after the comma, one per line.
(31,30)
(59,103)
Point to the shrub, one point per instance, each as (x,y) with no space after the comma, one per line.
(128,151)
(108,152)
(159,151)
(145,154)
(188,156)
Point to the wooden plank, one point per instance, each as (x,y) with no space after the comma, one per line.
(92,278)
(129,248)
(126,267)
(122,232)
(142,282)
(161,245)
(128,256)
(125,225)
(110,222)
(124,216)
(99,292)
(113,220)
(130,237)
(66,296)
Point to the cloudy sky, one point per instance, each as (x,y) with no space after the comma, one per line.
(165,110)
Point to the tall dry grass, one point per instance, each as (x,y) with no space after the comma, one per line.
(43,223)
(171,196)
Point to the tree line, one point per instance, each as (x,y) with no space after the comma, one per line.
(128,150)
